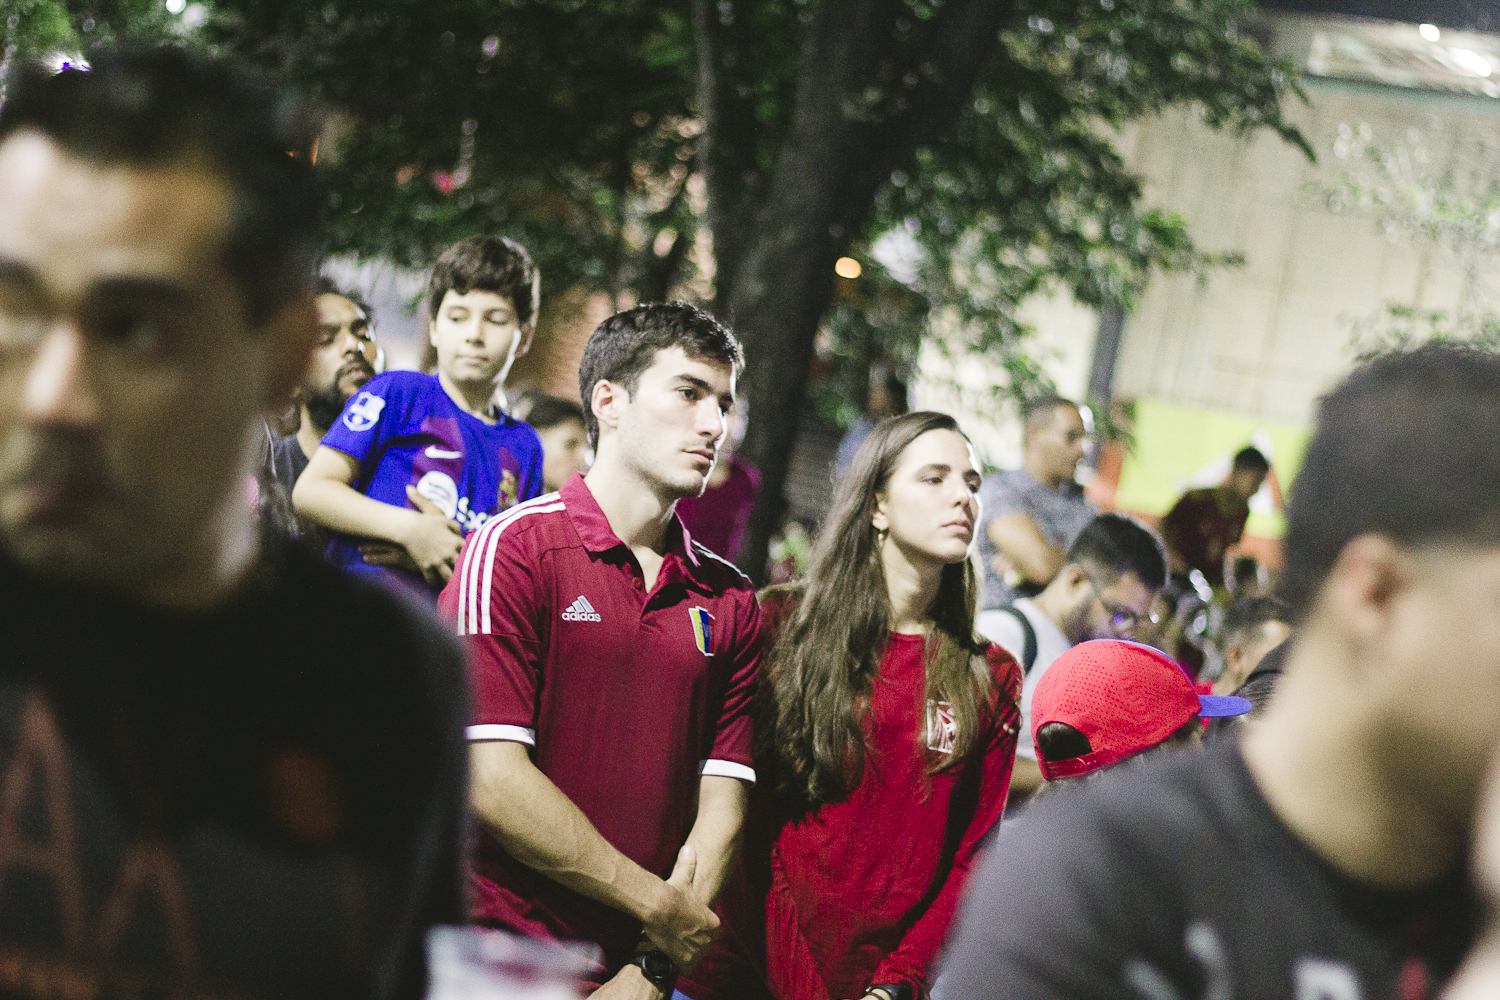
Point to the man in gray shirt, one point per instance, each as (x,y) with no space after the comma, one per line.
(1034,513)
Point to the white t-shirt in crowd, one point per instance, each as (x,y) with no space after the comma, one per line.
(1001,628)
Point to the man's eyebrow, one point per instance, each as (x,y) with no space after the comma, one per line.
(169,293)
(695,381)
(159,290)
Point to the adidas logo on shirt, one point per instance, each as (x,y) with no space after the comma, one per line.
(581,611)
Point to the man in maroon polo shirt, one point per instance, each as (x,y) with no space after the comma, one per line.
(613,661)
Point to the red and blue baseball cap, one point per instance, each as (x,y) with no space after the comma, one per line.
(1124,697)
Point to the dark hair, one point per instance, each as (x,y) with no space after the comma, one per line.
(822,667)
(1113,545)
(154,107)
(327,286)
(486,264)
(1038,408)
(1061,738)
(1059,741)
(549,411)
(624,346)
(1408,446)
(1248,614)
(1250,457)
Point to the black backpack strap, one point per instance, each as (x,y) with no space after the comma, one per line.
(1028,652)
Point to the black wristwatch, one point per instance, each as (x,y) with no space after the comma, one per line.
(657,968)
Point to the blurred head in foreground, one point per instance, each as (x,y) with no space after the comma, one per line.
(1393,577)
(159,232)
(1107,700)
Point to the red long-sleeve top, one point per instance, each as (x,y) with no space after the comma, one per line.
(862,891)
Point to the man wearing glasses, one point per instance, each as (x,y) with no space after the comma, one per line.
(1103,591)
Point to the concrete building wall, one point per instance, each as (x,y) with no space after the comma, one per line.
(1263,340)
(1267,338)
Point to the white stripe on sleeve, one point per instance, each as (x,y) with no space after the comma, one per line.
(471,609)
(463,580)
(726,769)
(509,734)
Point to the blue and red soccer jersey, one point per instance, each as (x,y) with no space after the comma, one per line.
(404,431)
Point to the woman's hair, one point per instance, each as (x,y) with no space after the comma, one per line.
(822,668)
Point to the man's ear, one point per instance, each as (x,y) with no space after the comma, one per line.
(1234,656)
(607,402)
(291,334)
(1369,573)
(526,332)
(1073,576)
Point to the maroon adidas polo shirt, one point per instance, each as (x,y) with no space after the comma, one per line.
(626,696)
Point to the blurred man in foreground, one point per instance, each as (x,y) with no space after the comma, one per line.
(204,790)
(1323,854)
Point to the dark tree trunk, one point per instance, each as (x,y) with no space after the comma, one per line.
(727,79)
(875,83)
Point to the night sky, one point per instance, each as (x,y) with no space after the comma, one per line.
(1475,15)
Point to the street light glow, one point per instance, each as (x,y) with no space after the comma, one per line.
(847,267)
(1471,61)
(1430,32)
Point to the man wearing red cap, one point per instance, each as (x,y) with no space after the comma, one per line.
(1104,701)
(1322,855)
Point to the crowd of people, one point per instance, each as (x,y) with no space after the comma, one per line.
(471,658)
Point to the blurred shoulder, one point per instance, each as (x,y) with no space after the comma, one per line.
(400,381)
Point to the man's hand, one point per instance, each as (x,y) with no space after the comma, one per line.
(431,540)
(681,925)
(387,554)
(627,984)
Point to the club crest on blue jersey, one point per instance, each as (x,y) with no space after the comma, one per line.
(363,413)
(703,629)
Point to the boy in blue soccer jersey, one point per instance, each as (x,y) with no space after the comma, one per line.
(417,461)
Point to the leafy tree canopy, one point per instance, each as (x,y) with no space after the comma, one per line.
(574,127)
(732,149)
(1450,204)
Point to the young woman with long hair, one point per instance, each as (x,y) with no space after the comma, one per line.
(886,735)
